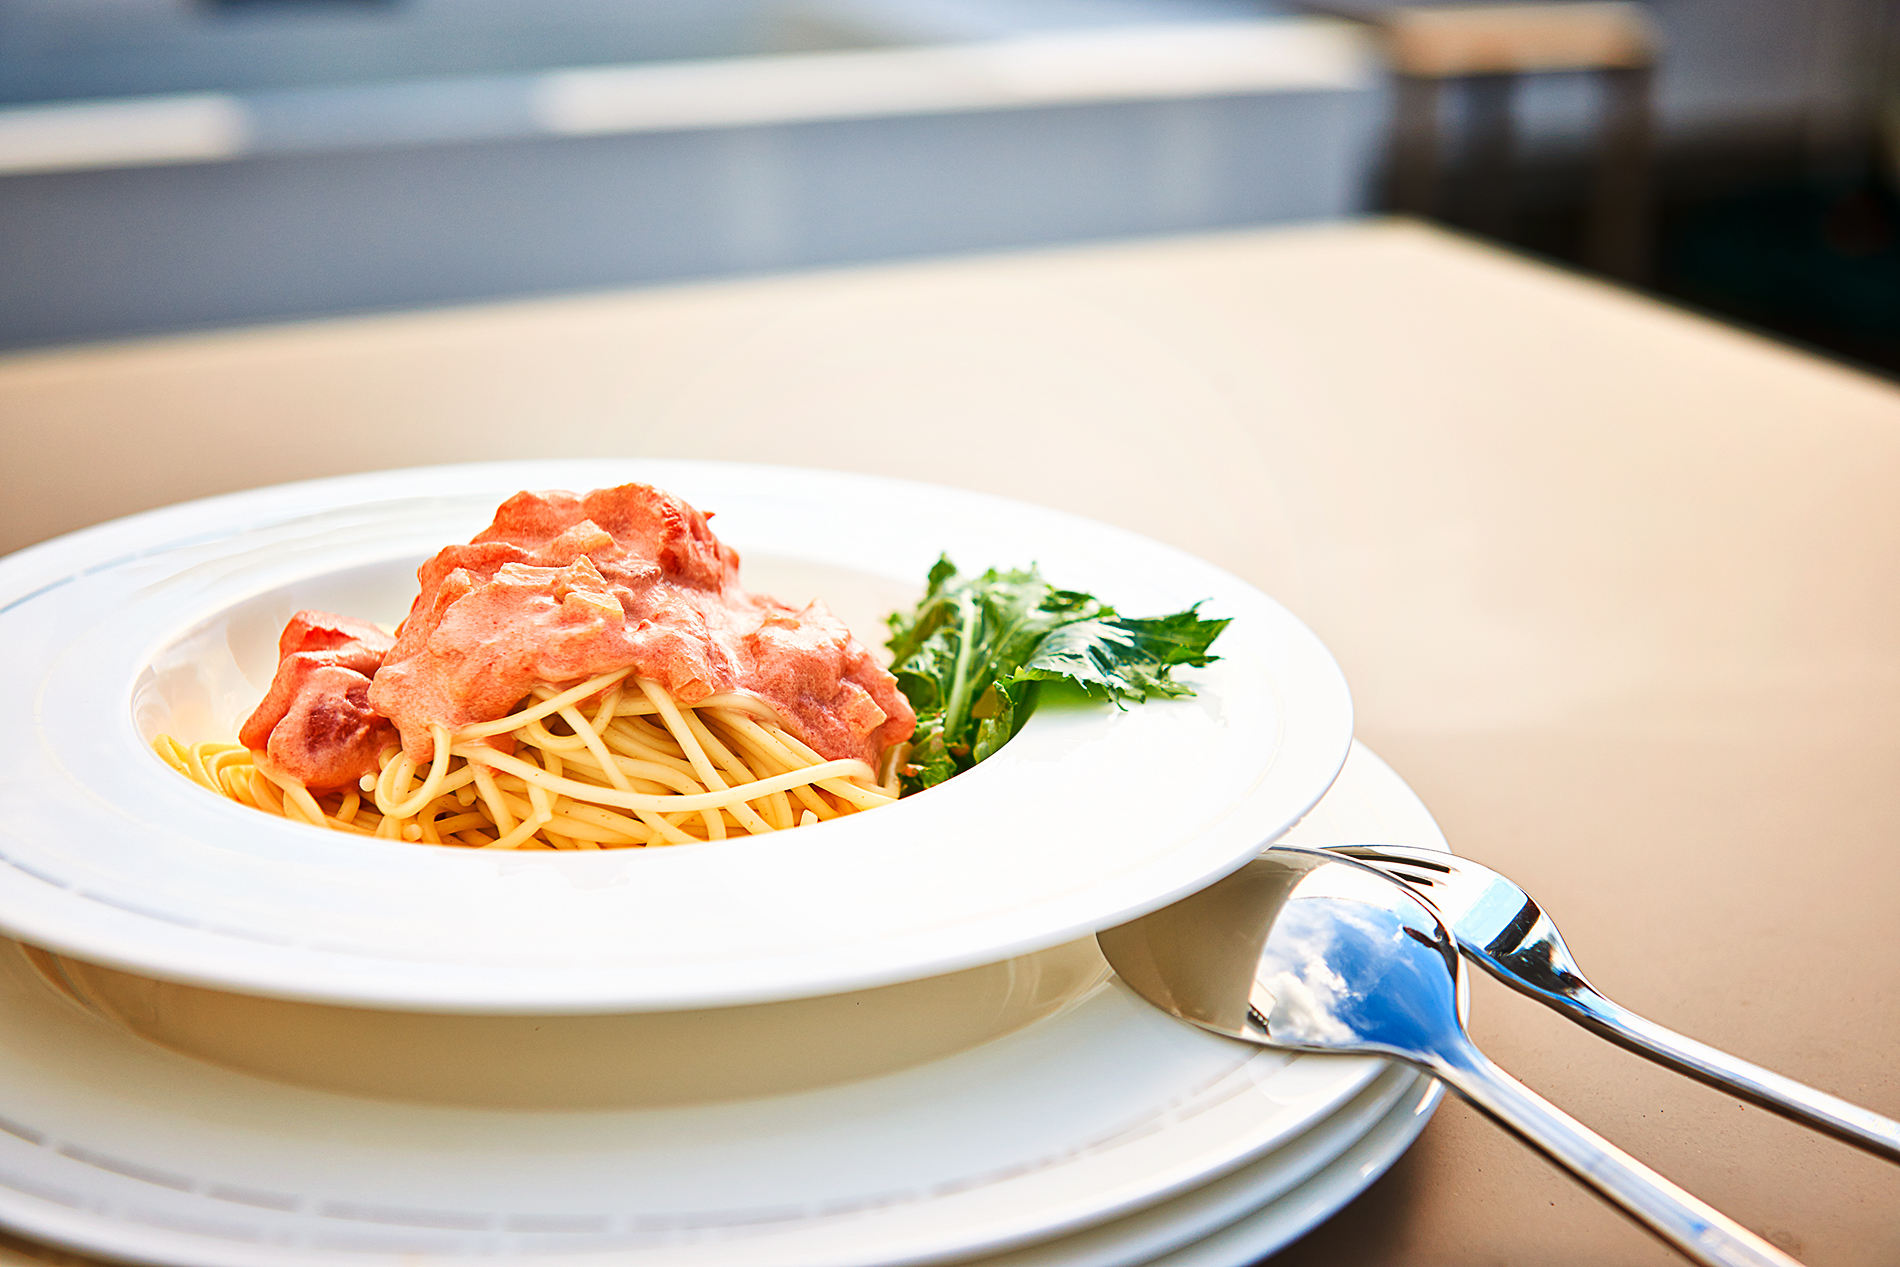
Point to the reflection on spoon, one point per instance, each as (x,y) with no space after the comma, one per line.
(1307,951)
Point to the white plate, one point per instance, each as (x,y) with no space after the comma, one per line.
(1233,1221)
(166,620)
(1292,1215)
(112,1146)
(1289,1191)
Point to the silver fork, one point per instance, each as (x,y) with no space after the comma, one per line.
(1501,929)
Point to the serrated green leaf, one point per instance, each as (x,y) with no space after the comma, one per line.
(1127,659)
(968,658)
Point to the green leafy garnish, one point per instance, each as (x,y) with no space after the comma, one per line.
(971,655)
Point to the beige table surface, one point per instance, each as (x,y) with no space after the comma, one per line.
(1615,587)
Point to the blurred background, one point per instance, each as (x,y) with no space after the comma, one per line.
(181,164)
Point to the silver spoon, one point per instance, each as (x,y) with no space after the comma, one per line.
(1307,951)
(1500,928)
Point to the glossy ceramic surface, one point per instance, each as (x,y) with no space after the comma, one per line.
(1284,1220)
(165,622)
(594,1060)
(116,1146)
(1240,1217)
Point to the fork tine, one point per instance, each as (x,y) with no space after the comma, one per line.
(1502,928)
(1411,870)
(1385,857)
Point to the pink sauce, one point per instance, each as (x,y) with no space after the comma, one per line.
(315,724)
(561,588)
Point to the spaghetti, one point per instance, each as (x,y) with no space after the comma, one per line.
(613,762)
(587,672)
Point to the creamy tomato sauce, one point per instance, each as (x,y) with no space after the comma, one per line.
(561,588)
(315,724)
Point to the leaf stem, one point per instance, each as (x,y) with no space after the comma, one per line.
(957,706)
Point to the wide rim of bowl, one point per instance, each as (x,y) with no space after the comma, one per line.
(1104,1108)
(1090,817)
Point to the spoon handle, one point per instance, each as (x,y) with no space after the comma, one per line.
(1760,1086)
(1696,1229)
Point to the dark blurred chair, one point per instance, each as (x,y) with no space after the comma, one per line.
(1488,47)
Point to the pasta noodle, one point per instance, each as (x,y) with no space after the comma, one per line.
(612,762)
(526,701)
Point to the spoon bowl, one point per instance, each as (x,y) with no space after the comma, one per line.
(1280,954)
(1304,950)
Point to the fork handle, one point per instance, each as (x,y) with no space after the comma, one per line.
(1759,1086)
(1696,1229)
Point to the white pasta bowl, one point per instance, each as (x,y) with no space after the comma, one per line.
(166,622)
(609,1060)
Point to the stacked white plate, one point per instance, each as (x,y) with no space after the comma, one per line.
(1101,1133)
